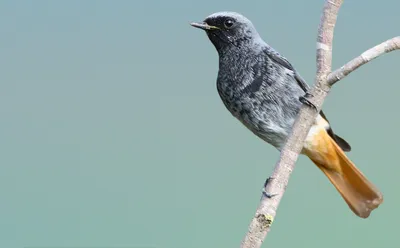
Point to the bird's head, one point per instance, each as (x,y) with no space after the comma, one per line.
(226,29)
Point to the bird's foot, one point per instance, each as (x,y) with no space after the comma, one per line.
(304,99)
(267,181)
(265,193)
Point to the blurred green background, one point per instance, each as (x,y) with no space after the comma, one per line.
(112,133)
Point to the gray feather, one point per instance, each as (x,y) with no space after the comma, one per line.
(257,85)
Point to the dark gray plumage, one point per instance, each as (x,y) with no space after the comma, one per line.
(257,85)
(262,90)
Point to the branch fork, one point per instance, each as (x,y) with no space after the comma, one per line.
(312,102)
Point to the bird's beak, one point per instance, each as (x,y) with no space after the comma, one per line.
(204,26)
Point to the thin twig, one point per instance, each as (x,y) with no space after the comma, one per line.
(266,211)
(372,53)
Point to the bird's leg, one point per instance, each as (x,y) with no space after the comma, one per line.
(265,193)
(304,99)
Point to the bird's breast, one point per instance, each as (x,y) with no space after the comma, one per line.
(268,112)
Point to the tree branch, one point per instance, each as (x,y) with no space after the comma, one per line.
(372,53)
(266,211)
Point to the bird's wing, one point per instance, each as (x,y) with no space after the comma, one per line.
(279,59)
(275,56)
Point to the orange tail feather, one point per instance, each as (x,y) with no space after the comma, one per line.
(358,192)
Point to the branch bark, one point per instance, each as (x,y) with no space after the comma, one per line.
(266,211)
(372,53)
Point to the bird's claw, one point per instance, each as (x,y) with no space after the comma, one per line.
(304,100)
(267,181)
(268,195)
(265,193)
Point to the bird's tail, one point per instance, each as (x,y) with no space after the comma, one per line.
(358,192)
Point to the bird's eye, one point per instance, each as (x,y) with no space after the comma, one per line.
(228,23)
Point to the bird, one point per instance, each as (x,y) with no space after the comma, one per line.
(263,90)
